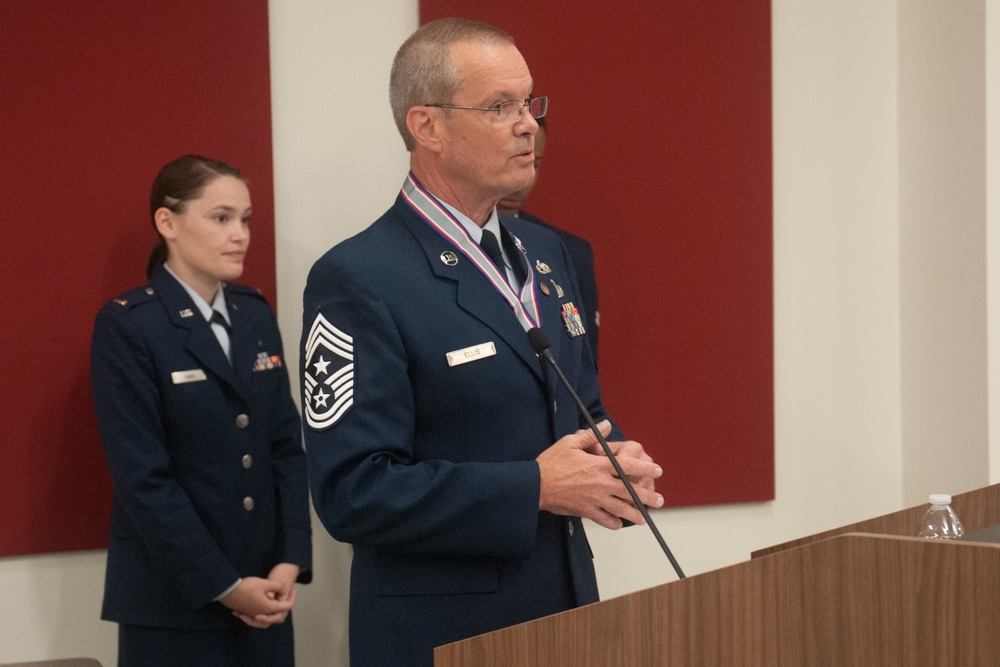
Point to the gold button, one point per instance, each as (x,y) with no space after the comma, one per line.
(248,503)
(247,461)
(242,421)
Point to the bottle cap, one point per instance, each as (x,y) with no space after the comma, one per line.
(940,499)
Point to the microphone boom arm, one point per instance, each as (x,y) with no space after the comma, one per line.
(541,346)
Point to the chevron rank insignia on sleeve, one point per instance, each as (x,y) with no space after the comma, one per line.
(328,384)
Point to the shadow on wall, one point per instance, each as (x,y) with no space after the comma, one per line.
(321,609)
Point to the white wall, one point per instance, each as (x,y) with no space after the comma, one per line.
(53,608)
(848,294)
(339,163)
(993,227)
(942,223)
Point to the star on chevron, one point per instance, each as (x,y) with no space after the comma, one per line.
(321,365)
(320,397)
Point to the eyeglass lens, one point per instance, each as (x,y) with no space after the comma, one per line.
(537,106)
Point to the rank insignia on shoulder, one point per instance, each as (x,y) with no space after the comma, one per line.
(572,320)
(121,302)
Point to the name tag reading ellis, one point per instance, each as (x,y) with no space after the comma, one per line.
(183,377)
(473,353)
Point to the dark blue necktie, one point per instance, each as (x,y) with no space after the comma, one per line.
(491,247)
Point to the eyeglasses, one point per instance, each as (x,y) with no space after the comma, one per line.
(507,112)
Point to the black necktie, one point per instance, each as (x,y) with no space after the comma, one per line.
(513,251)
(227,347)
(217,318)
(491,247)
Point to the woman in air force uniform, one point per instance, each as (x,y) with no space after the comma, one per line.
(210,524)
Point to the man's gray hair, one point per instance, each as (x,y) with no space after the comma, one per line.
(423,72)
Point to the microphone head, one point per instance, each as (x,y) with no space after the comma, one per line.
(539,342)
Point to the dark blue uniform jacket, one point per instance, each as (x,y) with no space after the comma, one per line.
(428,468)
(206,457)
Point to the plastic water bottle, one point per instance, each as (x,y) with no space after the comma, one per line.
(940,521)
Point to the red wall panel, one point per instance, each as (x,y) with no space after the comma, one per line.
(94,98)
(659,152)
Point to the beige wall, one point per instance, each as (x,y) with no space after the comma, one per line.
(942,244)
(339,163)
(870,374)
(993,227)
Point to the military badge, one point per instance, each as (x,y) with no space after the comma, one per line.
(328,380)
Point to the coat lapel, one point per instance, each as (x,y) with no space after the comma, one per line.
(475,293)
(201,341)
(243,344)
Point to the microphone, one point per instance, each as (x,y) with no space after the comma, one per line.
(540,344)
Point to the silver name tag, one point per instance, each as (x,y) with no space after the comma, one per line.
(473,353)
(182,377)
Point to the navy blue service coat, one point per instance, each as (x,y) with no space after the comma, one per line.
(206,457)
(428,468)
(582,254)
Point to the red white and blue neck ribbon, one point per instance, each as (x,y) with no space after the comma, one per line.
(441,220)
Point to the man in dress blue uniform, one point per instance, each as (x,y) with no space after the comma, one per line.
(430,422)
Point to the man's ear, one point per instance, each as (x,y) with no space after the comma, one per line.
(426,127)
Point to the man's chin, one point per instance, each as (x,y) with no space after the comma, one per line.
(509,205)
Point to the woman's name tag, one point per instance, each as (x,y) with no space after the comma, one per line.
(183,377)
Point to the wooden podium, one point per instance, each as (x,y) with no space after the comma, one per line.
(866,594)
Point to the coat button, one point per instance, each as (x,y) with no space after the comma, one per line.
(247,461)
(570,522)
(242,421)
(248,503)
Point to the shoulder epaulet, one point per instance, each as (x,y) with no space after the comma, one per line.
(133,298)
(245,290)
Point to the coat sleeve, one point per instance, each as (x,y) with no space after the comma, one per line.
(128,406)
(291,481)
(367,486)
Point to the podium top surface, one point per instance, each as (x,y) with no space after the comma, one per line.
(989,534)
(977,509)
